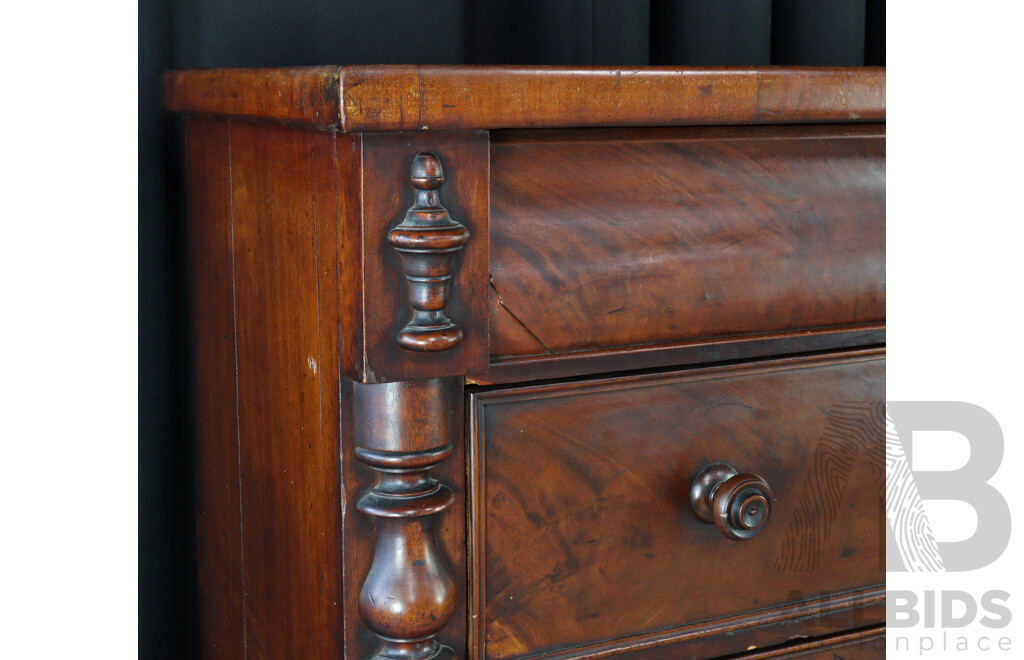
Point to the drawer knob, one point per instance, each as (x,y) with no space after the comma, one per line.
(738,504)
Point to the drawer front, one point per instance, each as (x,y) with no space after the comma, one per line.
(603,240)
(584,541)
(860,645)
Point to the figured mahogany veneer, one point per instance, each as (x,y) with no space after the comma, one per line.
(586,540)
(663,237)
(396,289)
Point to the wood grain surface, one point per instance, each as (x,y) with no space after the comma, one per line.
(414,98)
(263,257)
(307,96)
(402,431)
(637,238)
(211,304)
(584,539)
(386,196)
(634,235)
(866,644)
(288,460)
(652,356)
(359,528)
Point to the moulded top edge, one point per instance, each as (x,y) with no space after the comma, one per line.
(457,97)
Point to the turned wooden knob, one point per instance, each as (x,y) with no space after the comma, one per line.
(738,504)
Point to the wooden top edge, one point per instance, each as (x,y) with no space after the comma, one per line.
(407,98)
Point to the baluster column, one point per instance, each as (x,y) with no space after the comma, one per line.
(404,429)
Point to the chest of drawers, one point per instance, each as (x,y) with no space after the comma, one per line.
(508,363)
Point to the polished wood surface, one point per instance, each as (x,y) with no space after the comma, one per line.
(286,413)
(265,296)
(334,469)
(865,644)
(415,98)
(641,357)
(643,238)
(403,430)
(364,193)
(739,504)
(218,505)
(423,421)
(304,96)
(428,240)
(584,536)
(386,196)
(270,259)
(813,619)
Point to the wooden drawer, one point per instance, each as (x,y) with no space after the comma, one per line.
(868,644)
(353,503)
(584,541)
(609,242)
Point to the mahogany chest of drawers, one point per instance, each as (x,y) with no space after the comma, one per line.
(506,363)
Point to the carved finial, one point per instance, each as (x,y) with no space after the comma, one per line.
(427,240)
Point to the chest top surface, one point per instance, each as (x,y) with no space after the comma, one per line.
(420,97)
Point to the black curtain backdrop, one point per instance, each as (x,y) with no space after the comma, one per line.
(206,33)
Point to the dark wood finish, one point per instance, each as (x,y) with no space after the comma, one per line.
(599,546)
(330,154)
(809,619)
(265,295)
(277,282)
(373,196)
(218,523)
(276,287)
(413,98)
(307,96)
(386,195)
(289,467)
(428,240)
(349,276)
(622,242)
(402,431)
(865,644)
(738,504)
(366,191)
(332,490)
(360,529)
(641,357)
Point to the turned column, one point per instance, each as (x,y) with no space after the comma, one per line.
(403,429)
(427,330)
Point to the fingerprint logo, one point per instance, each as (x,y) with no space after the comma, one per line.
(905,510)
(850,442)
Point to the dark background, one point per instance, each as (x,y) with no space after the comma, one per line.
(204,33)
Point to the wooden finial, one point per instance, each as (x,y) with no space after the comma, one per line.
(427,240)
